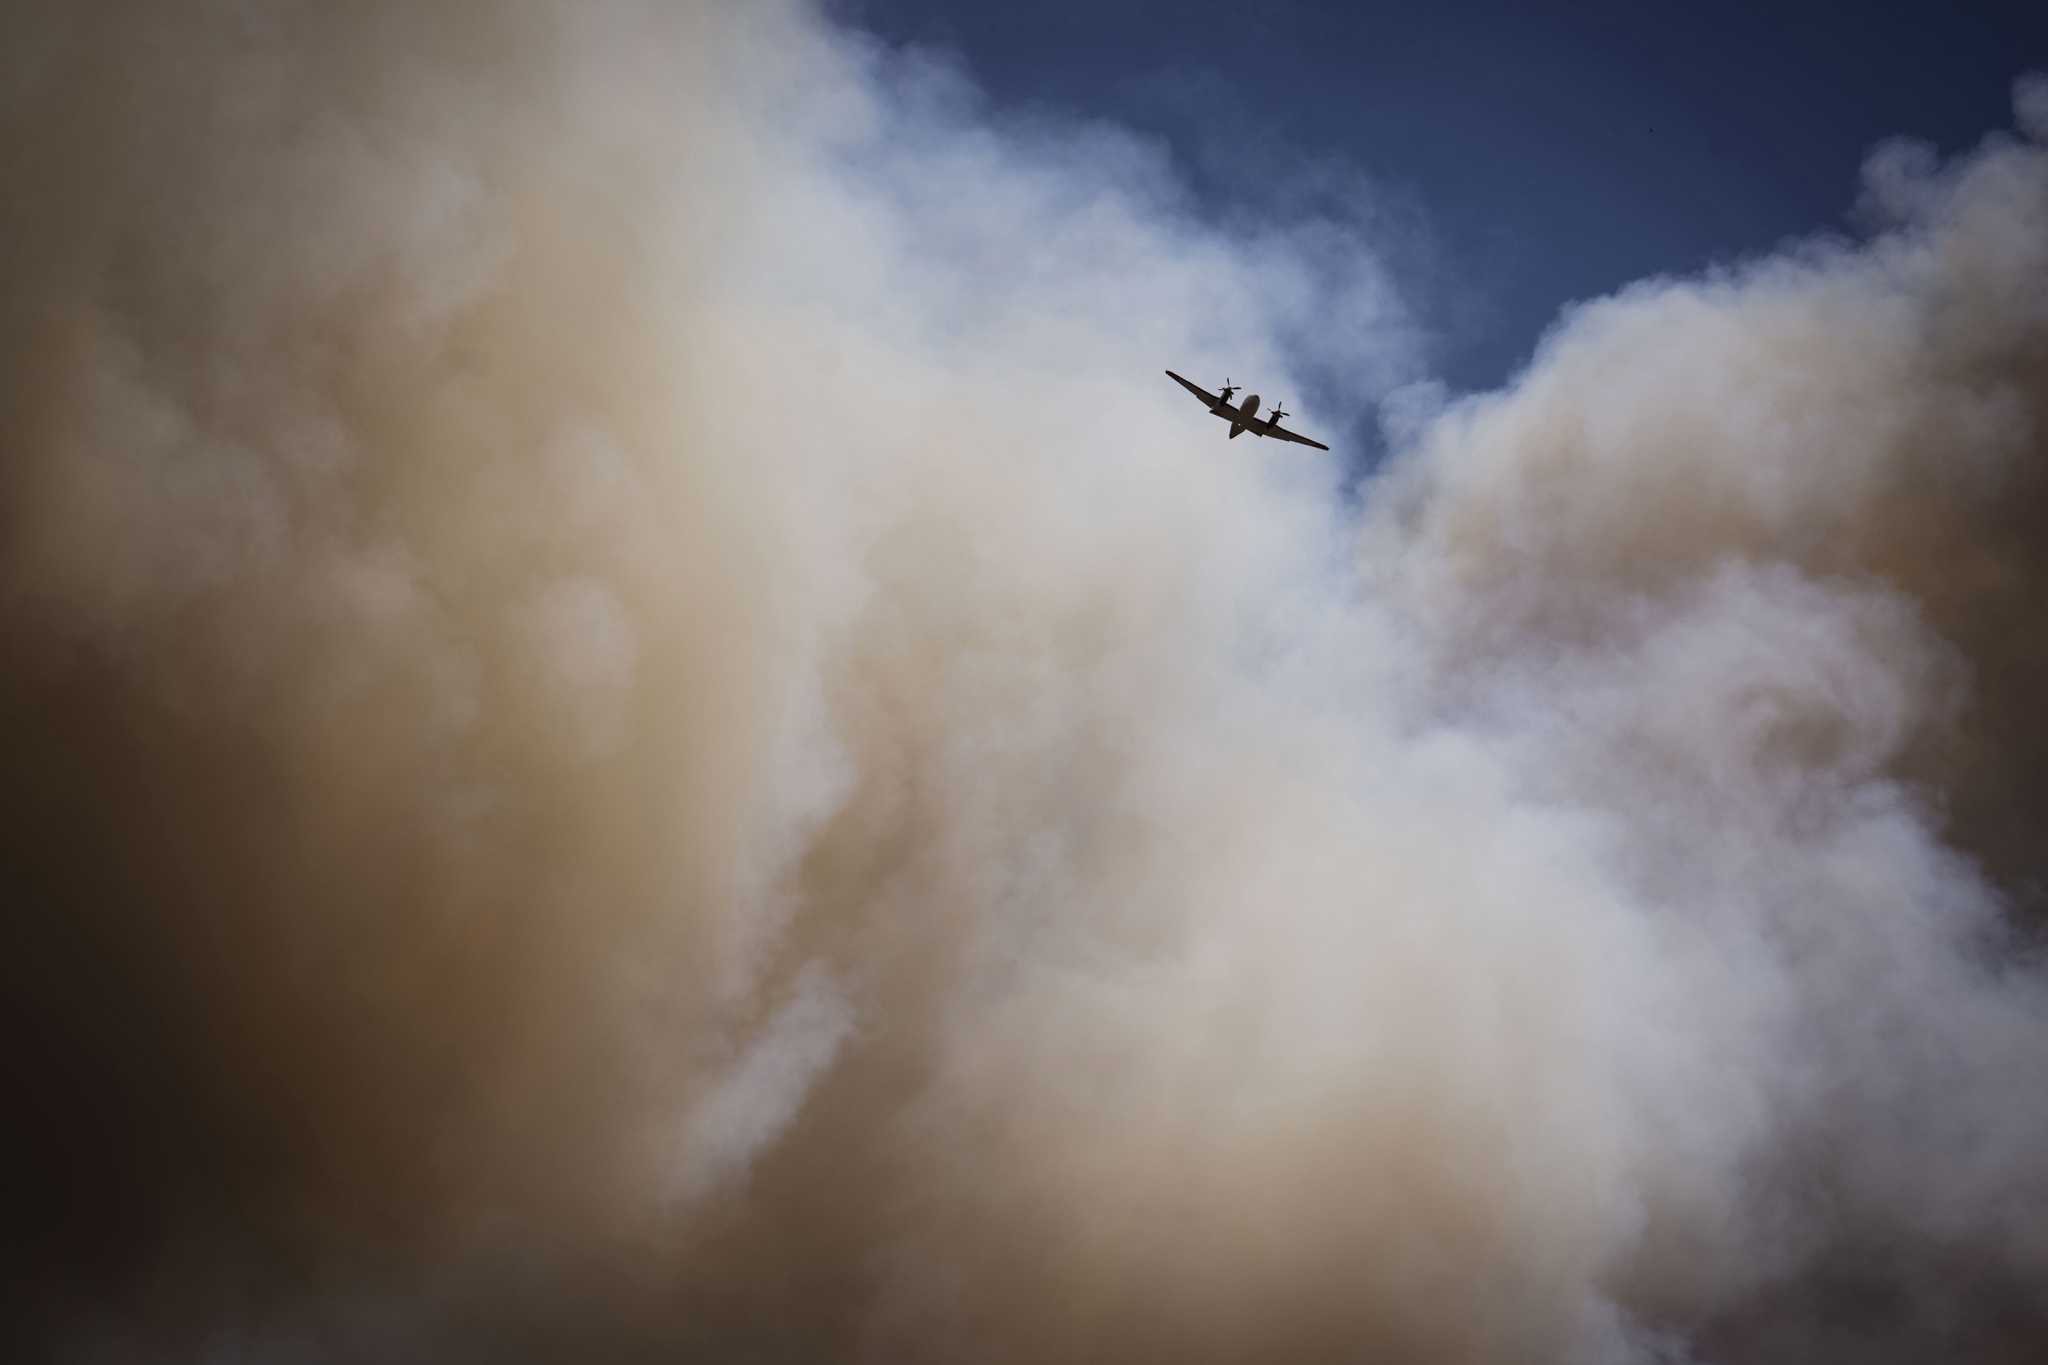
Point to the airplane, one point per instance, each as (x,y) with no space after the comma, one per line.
(1245,416)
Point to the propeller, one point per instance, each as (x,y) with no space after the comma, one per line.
(1230,388)
(1277,413)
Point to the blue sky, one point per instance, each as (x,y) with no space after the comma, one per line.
(1530,155)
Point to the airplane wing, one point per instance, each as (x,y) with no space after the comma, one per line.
(1196,389)
(1281,433)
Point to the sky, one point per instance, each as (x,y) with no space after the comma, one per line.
(1539,154)
(636,728)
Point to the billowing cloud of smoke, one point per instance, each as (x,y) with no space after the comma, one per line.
(637,727)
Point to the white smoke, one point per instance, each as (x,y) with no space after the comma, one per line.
(642,727)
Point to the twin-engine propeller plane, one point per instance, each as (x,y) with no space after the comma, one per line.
(1245,416)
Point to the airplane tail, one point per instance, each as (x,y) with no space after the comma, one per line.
(1236,430)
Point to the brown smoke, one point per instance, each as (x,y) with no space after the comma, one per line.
(638,729)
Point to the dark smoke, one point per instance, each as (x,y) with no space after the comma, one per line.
(631,735)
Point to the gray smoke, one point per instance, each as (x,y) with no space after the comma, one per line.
(639,729)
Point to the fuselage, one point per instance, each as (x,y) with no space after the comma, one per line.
(1245,414)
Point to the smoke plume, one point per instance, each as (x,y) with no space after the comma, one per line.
(637,728)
